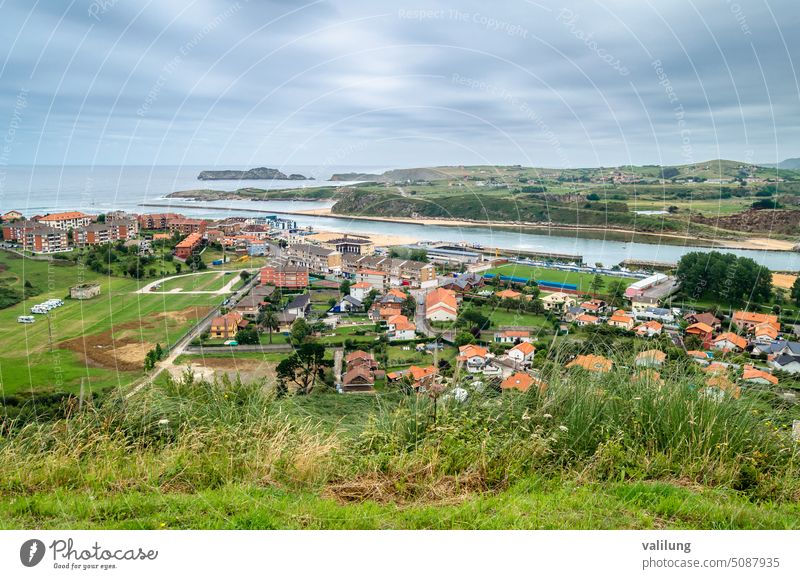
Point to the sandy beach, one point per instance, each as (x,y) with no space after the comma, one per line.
(756,243)
(380,240)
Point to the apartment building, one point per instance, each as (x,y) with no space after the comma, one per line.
(186,246)
(398,271)
(186,225)
(67,220)
(43,239)
(351,245)
(284,276)
(315,258)
(108,232)
(157,220)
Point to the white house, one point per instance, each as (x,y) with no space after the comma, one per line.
(522,352)
(441,306)
(558,301)
(400,328)
(786,363)
(473,357)
(360,290)
(350,304)
(512,336)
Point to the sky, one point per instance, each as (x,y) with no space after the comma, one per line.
(393,84)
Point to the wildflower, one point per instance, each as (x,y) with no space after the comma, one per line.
(548,415)
(563,428)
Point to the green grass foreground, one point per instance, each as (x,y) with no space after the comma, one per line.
(591,452)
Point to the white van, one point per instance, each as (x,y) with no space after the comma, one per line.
(26,319)
(56,303)
(40,309)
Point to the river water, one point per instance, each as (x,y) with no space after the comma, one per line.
(98,189)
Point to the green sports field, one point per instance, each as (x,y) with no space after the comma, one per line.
(582,280)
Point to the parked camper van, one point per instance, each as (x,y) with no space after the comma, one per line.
(26,319)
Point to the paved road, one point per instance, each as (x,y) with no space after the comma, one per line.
(422,325)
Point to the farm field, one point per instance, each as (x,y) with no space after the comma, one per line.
(103,340)
(582,280)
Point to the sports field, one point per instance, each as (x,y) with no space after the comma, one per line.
(103,340)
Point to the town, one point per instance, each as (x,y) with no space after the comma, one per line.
(429,319)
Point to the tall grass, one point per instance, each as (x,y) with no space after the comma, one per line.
(187,436)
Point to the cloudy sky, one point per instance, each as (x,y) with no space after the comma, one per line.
(396,84)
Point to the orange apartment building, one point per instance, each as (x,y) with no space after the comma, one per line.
(288,277)
(187,245)
(67,220)
(186,226)
(157,220)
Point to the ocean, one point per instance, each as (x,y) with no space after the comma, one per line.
(99,189)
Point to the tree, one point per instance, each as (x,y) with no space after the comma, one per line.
(300,331)
(178,267)
(409,307)
(195,262)
(597,284)
(464,338)
(369,299)
(616,292)
(509,304)
(473,318)
(244,275)
(269,321)
(796,291)
(724,277)
(419,255)
(669,172)
(302,368)
(344,287)
(247,336)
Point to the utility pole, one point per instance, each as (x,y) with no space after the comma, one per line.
(80,398)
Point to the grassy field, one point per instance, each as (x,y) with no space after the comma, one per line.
(582,280)
(205,281)
(501,317)
(342,333)
(590,453)
(103,340)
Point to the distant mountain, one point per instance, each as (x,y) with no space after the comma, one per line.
(791,164)
(399,175)
(259,173)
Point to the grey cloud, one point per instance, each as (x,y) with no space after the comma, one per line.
(276,82)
